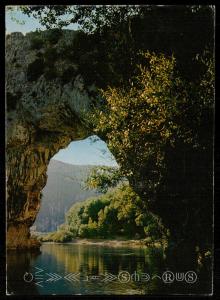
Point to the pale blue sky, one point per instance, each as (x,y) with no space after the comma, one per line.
(30,24)
(87,152)
(81,152)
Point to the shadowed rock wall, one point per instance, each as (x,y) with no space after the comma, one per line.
(43,116)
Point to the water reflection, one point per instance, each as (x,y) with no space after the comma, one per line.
(18,264)
(81,269)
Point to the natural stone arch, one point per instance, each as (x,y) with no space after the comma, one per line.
(45,113)
(43,117)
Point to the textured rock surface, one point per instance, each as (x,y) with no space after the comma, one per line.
(43,116)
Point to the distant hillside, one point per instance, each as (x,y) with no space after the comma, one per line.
(63,188)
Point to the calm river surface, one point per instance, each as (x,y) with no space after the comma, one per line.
(67,269)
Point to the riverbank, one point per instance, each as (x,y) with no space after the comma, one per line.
(110,243)
(115,241)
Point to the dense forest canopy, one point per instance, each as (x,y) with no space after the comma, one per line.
(118,213)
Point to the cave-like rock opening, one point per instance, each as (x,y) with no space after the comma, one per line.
(66,176)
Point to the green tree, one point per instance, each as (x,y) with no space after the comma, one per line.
(89,17)
(143,117)
(103,178)
(117,212)
(160,128)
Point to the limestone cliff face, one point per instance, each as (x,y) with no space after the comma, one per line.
(43,116)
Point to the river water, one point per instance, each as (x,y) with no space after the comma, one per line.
(73,269)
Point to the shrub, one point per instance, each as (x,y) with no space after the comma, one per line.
(152,230)
(50,73)
(53,35)
(68,74)
(50,55)
(12,100)
(35,69)
(36,43)
(58,236)
(83,231)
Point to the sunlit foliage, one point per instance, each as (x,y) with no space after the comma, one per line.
(118,212)
(157,111)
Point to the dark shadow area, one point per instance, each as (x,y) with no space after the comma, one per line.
(18,270)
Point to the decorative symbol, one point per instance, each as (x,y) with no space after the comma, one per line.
(38,283)
(39,276)
(95,277)
(168,277)
(190,277)
(179,276)
(72,277)
(109,277)
(124,277)
(155,276)
(146,277)
(40,270)
(53,277)
(87,278)
(28,277)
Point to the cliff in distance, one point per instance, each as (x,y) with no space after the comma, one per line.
(64,187)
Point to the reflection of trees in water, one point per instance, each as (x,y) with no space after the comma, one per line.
(92,260)
(18,264)
(98,260)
